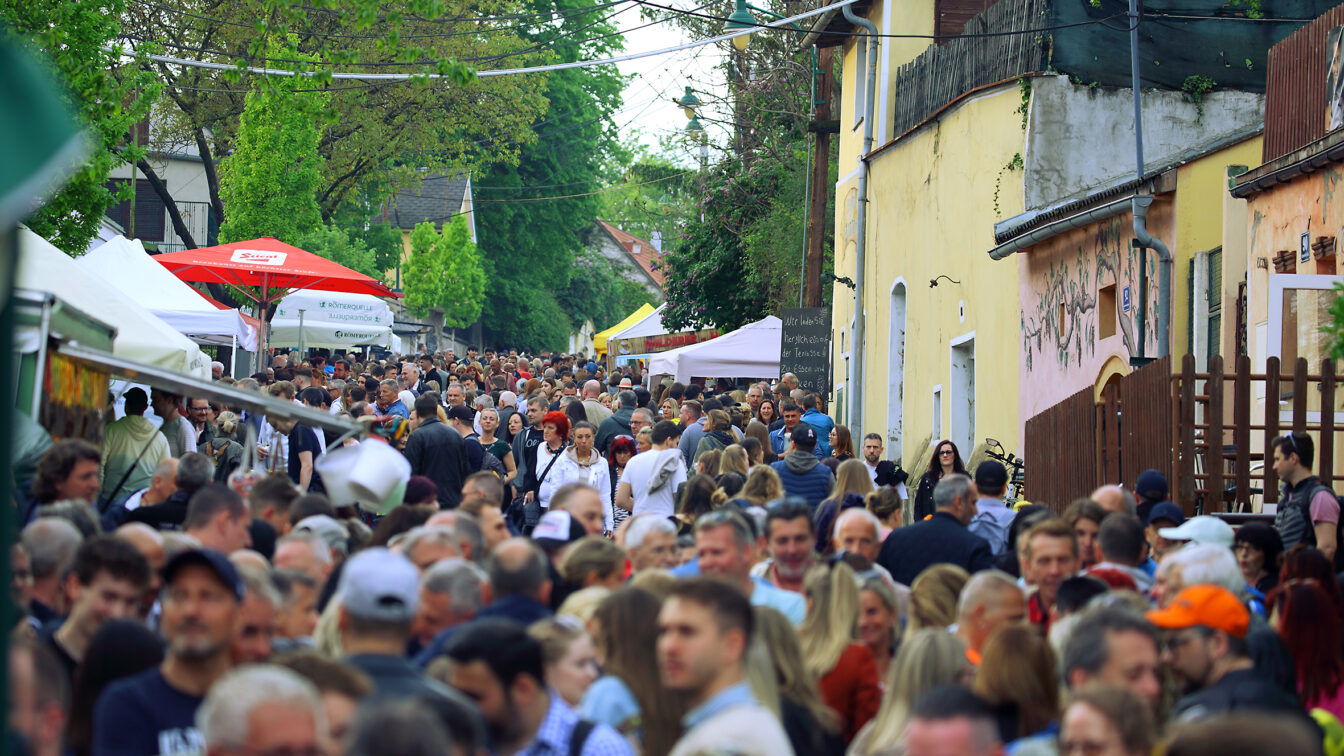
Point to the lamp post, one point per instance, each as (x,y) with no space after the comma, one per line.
(741,18)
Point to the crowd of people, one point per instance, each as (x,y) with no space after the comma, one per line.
(584,564)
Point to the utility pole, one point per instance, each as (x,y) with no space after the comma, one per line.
(822,127)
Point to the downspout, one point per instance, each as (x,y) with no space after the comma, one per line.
(1143,201)
(855,377)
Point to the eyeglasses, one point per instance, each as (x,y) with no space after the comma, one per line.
(946,453)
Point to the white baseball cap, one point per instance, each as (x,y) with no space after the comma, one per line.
(379,584)
(1201,529)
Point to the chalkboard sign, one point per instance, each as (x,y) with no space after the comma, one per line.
(805,347)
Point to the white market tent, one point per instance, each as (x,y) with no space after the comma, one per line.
(123,263)
(331,320)
(650,325)
(751,351)
(141,336)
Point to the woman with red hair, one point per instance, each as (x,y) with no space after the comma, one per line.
(619,452)
(1305,617)
(553,468)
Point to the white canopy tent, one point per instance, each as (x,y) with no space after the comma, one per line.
(141,336)
(331,320)
(650,325)
(123,263)
(751,351)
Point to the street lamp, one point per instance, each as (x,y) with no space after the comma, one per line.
(689,102)
(741,18)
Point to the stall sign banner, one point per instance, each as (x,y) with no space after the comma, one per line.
(74,397)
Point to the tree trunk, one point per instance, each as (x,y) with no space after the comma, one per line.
(211,176)
(169,204)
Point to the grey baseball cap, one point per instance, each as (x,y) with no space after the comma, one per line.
(379,584)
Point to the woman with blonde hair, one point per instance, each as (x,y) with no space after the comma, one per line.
(928,659)
(668,409)
(734,460)
(852,483)
(1018,677)
(845,669)
(879,626)
(567,655)
(933,597)
(718,434)
(708,463)
(777,673)
(763,486)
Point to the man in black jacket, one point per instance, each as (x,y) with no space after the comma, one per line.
(941,538)
(884,472)
(436,451)
(1206,649)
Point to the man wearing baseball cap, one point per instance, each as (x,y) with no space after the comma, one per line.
(1162,516)
(800,471)
(155,711)
(1204,644)
(379,592)
(993,518)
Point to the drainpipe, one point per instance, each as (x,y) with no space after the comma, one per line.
(860,244)
(1143,201)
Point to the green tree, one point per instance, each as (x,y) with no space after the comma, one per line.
(74,37)
(422,284)
(530,245)
(463,275)
(381,133)
(270,182)
(1335,328)
(658,195)
(341,247)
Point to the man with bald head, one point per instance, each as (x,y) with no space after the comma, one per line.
(162,484)
(520,588)
(991,600)
(591,406)
(1115,498)
(149,542)
(858,531)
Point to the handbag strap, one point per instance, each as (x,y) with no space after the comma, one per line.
(542,478)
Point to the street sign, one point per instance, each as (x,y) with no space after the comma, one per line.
(1125,299)
(805,347)
(1305,247)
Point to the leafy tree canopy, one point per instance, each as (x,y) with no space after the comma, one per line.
(72,36)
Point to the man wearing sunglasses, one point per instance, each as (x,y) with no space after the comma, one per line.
(1308,510)
(1205,646)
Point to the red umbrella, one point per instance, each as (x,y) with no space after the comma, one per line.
(273,267)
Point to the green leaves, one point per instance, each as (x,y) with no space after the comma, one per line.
(444,272)
(109,93)
(269,184)
(341,247)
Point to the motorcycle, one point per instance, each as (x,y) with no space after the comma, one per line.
(1016,489)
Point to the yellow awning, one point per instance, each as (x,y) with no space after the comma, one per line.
(600,339)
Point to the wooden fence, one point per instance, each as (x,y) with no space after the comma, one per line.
(947,71)
(1225,424)
(1210,432)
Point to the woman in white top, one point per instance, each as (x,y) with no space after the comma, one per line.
(553,467)
(593,468)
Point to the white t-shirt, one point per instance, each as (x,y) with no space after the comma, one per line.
(639,472)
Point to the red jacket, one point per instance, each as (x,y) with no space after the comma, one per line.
(850,689)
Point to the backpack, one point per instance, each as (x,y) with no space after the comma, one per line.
(1309,533)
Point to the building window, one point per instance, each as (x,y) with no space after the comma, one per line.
(937,413)
(1106,312)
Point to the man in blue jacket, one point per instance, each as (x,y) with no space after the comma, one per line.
(821,421)
(801,472)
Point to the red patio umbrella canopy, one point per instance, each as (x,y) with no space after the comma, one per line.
(271,265)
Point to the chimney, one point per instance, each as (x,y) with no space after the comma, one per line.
(656,239)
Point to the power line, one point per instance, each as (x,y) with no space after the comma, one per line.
(603,190)
(540,18)
(502,71)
